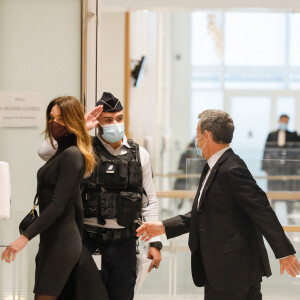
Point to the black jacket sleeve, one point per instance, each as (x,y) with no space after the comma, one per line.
(177,225)
(254,202)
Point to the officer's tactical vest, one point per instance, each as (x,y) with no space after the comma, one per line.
(115,188)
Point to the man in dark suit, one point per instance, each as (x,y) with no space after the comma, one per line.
(280,147)
(229,217)
(280,137)
(280,153)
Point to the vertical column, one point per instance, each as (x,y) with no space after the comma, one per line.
(127,74)
(89,53)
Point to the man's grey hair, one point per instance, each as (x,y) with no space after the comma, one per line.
(219,123)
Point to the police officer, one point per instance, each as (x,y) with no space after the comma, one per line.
(116,197)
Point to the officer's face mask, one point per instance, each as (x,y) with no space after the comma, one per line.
(113,132)
(58,131)
(283,126)
(200,150)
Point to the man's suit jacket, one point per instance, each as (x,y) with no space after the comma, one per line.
(274,155)
(289,137)
(226,232)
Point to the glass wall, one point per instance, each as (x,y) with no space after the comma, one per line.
(239,51)
(244,63)
(240,48)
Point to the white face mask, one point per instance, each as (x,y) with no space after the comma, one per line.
(200,150)
(283,126)
(113,132)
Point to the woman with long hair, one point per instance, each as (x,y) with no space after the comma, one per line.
(60,222)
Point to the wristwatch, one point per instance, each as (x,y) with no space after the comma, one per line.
(157,245)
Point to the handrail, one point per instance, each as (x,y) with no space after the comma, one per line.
(197,175)
(181,194)
(185,248)
(291,228)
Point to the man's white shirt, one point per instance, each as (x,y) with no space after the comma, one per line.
(211,163)
(281,138)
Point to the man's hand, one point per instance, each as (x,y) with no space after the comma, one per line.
(91,118)
(150,229)
(155,255)
(291,265)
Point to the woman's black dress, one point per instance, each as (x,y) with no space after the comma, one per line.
(60,248)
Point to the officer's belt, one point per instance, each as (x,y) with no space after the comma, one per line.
(105,234)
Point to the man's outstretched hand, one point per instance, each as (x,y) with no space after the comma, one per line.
(91,118)
(291,265)
(150,229)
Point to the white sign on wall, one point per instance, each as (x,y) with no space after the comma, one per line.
(21,109)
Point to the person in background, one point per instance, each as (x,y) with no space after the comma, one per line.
(229,217)
(196,165)
(61,252)
(282,135)
(280,158)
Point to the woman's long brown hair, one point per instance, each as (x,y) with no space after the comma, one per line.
(72,114)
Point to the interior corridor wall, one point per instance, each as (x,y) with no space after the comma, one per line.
(143,33)
(111,54)
(40,51)
(149,102)
(181,86)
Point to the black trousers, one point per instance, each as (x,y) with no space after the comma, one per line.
(250,293)
(118,266)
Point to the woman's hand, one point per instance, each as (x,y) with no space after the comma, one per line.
(91,118)
(9,253)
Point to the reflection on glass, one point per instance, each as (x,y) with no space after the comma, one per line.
(249,39)
(200,101)
(203,44)
(294,80)
(294,57)
(254,78)
(251,117)
(206,78)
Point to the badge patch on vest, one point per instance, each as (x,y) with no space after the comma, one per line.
(110,168)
